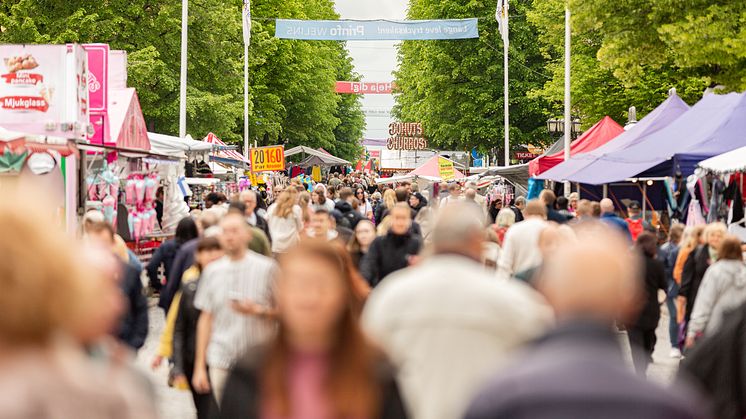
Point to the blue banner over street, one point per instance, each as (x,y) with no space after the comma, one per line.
(375,30)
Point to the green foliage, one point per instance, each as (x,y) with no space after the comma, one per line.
(702,38)
(292,95)
(597,90)
(455,88)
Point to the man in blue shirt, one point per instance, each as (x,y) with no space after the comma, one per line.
(609,217)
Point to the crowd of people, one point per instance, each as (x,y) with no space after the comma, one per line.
(348,299)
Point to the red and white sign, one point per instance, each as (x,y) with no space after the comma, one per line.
(40,90)
(355,87)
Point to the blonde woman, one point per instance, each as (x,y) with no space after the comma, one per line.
(285,220)
(698,262)
(389,200)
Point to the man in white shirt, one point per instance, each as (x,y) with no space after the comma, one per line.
(242,278)
(454,195)
(520,250)
(446,323)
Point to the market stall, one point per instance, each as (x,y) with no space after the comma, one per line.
(436,170)
(713,126)
(599,134)
(584,167)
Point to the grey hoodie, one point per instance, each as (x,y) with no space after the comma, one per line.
(723,289)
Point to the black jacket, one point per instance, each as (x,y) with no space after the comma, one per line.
(262,224)
(350,217)
(184,260)
(387,254)
(655,279)
(242,390)
(518,213)
(717,364)
(578,371)
(133,329)
(694,270)
(185,330)
(556,216)
(165,255)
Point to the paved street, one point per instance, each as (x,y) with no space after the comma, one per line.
(176,404)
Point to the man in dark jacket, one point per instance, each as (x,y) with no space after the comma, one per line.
(578,369)
(133,327)
(393,251)
(349,217)
(611,219)
(548,197)
(249,198)
(184,260)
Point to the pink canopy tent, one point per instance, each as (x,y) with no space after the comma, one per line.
(126,122)
(604,131)
(430,169)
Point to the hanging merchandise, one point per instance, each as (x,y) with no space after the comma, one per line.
(103,191)
(535,187)
(140,195)
(695,216)
(316,173)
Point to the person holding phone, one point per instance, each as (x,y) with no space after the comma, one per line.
(224,333)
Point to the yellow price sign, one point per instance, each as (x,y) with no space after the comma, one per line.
(267,159)
(445,169)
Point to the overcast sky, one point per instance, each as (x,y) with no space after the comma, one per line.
(374,60)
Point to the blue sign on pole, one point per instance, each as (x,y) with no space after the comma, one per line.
(376,30)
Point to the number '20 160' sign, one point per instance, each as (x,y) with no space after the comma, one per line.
(267,159)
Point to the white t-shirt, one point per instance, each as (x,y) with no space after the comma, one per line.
(365,208)
(285,231)
(226,280)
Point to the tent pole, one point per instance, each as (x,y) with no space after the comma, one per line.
(606,190)
(644,198)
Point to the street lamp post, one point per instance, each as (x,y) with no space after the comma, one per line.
(567,89)
(183,76)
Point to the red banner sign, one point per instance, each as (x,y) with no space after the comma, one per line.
(361,88)
(25,103)
(23,79)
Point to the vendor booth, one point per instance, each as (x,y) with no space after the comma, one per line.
(599,134)
(573,170)
(436,170)
(716,124)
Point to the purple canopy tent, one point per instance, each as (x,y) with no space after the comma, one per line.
(715,125)
(660,117)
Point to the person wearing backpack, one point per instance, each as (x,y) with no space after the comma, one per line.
(635,223)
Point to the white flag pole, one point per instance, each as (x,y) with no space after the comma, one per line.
(505,87)
(568,116)
(246,21)
(183,79)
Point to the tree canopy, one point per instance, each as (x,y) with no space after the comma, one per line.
(291,82)
(455,89)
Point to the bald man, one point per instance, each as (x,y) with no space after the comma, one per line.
(521,245)
(609,217)
(577,370)
(447,323)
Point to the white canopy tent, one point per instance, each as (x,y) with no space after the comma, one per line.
(177,147)
(732,161)
(316,157)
